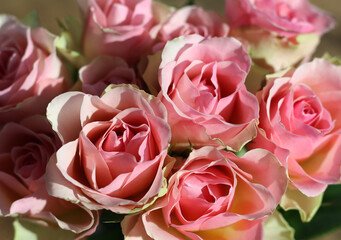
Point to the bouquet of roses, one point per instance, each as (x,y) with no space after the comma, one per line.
(143,120)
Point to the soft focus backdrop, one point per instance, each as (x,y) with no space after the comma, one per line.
(50,10)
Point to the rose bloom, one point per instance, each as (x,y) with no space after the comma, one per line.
(25,149)
(202,87)
(30,72)
(214,195)
(103,71)
(285,17)
(117,28)
(192,20)
(279,33)
(114,149)
(300,113)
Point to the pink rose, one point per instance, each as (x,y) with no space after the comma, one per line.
(278,33)
(202,87)
(117,28)
(25,149)
(31,73)
(192,20)
(214,195)
(103,71)
(285,17)
(299,112)
(114,149)
(274,53)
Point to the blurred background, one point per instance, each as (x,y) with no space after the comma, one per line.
(51,10)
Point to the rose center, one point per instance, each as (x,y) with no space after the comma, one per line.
(208,191)
(206,87)
(308,109)
(127,136)
(305,111)
(114,142)
(30,162)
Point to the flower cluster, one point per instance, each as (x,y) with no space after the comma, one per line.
(142,110)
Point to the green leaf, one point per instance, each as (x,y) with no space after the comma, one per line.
(327,218)
(31,20)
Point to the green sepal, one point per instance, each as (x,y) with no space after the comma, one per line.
(31,20)
(68,42)
(326,220)
(241,152)
(334,60)
(276,227)
(306,206)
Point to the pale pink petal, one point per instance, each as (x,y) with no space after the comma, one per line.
(10,193)
(258,161)
(300,179)
(94,165)
(59,186)
(172,48)
(133,228)
(63,113)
